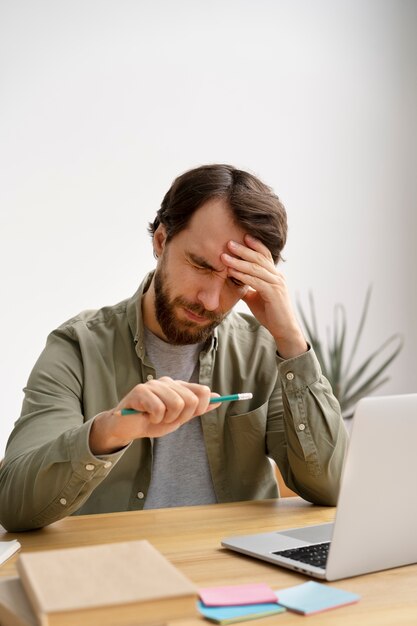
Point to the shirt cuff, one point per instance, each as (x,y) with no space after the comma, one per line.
(300,371)
(84,463)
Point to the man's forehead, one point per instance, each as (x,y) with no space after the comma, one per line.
(210,229)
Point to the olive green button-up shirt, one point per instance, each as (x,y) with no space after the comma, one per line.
(93,360)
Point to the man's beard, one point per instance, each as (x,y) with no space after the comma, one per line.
(180,332)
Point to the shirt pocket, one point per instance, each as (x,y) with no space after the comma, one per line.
(247,446)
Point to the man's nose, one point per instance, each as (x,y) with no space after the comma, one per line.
(209,294)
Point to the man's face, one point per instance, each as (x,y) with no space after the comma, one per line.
(177,330)
(193,292)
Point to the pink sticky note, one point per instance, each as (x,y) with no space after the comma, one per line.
(254,593)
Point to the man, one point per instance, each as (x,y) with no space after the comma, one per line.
(164,353)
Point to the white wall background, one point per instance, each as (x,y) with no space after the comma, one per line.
(104,102)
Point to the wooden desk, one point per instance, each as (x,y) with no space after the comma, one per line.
(190,537)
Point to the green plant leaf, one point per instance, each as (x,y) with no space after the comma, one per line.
(356,397)
(337,349)
(365,365)
(365,391)
(312,334)
(358,332)
(348,388)
(313,314)
(373,378)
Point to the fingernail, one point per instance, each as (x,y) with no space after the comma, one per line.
(233,244)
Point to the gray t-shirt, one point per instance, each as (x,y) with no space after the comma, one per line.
(180,469)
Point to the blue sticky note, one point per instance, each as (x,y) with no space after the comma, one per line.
(314,597)
(238,613)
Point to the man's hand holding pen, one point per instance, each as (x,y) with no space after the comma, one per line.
(153,409)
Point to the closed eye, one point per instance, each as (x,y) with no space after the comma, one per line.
(200,269)
(199,263)
(236,282)
(203,266)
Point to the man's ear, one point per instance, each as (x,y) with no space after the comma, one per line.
(159,239)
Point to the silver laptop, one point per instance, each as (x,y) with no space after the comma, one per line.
(375,527)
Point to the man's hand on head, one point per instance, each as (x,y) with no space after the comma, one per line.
(163,406)
(267,296)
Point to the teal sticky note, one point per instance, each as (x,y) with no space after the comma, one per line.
(314,597)
(238,613)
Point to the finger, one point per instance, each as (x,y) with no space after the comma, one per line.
(256,244)
(157,398)
(246,270)
(203,395)
(252,249)
(178,402)
(143,399)
(195,399)
(257,259)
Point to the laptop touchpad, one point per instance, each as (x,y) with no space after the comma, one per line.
(313,534)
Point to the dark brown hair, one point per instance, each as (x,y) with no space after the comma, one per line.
(255,207)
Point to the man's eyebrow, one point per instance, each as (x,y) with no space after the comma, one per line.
(198,260)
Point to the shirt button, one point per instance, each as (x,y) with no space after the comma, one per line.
(149,377)
(301,426)
(141,495)
(89,467)
(63,501)
(290,376)
(108,464)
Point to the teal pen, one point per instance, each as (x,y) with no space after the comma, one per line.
(231,398)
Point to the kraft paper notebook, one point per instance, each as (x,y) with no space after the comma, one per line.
(111,584)
(15,609)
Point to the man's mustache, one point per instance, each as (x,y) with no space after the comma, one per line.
(199,310)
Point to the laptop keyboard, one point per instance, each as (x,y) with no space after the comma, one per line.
(315,554)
